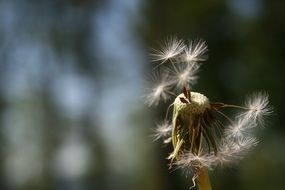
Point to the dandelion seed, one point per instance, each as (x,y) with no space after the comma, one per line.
(258,107)
(227,152)
(247,143)
(169,49)
(184,75)
(195,52)
(160,88)
(163,131)
(233,149)
(189,160)
(240,128)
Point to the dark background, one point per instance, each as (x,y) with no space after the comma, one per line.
(71,84)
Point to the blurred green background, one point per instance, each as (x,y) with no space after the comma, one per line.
(72,78)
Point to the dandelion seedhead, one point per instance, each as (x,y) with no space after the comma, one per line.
(201,133)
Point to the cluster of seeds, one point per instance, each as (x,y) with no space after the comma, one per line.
(201,134)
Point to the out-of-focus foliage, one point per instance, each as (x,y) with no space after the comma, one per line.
(71,80)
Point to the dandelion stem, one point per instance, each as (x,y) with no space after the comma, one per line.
(204,180)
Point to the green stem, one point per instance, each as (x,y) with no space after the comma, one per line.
(204,180)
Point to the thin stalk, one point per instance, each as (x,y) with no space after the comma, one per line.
(225,116)
(203,180)
(235,106)
(218,105)
(171,93)
(168,111)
